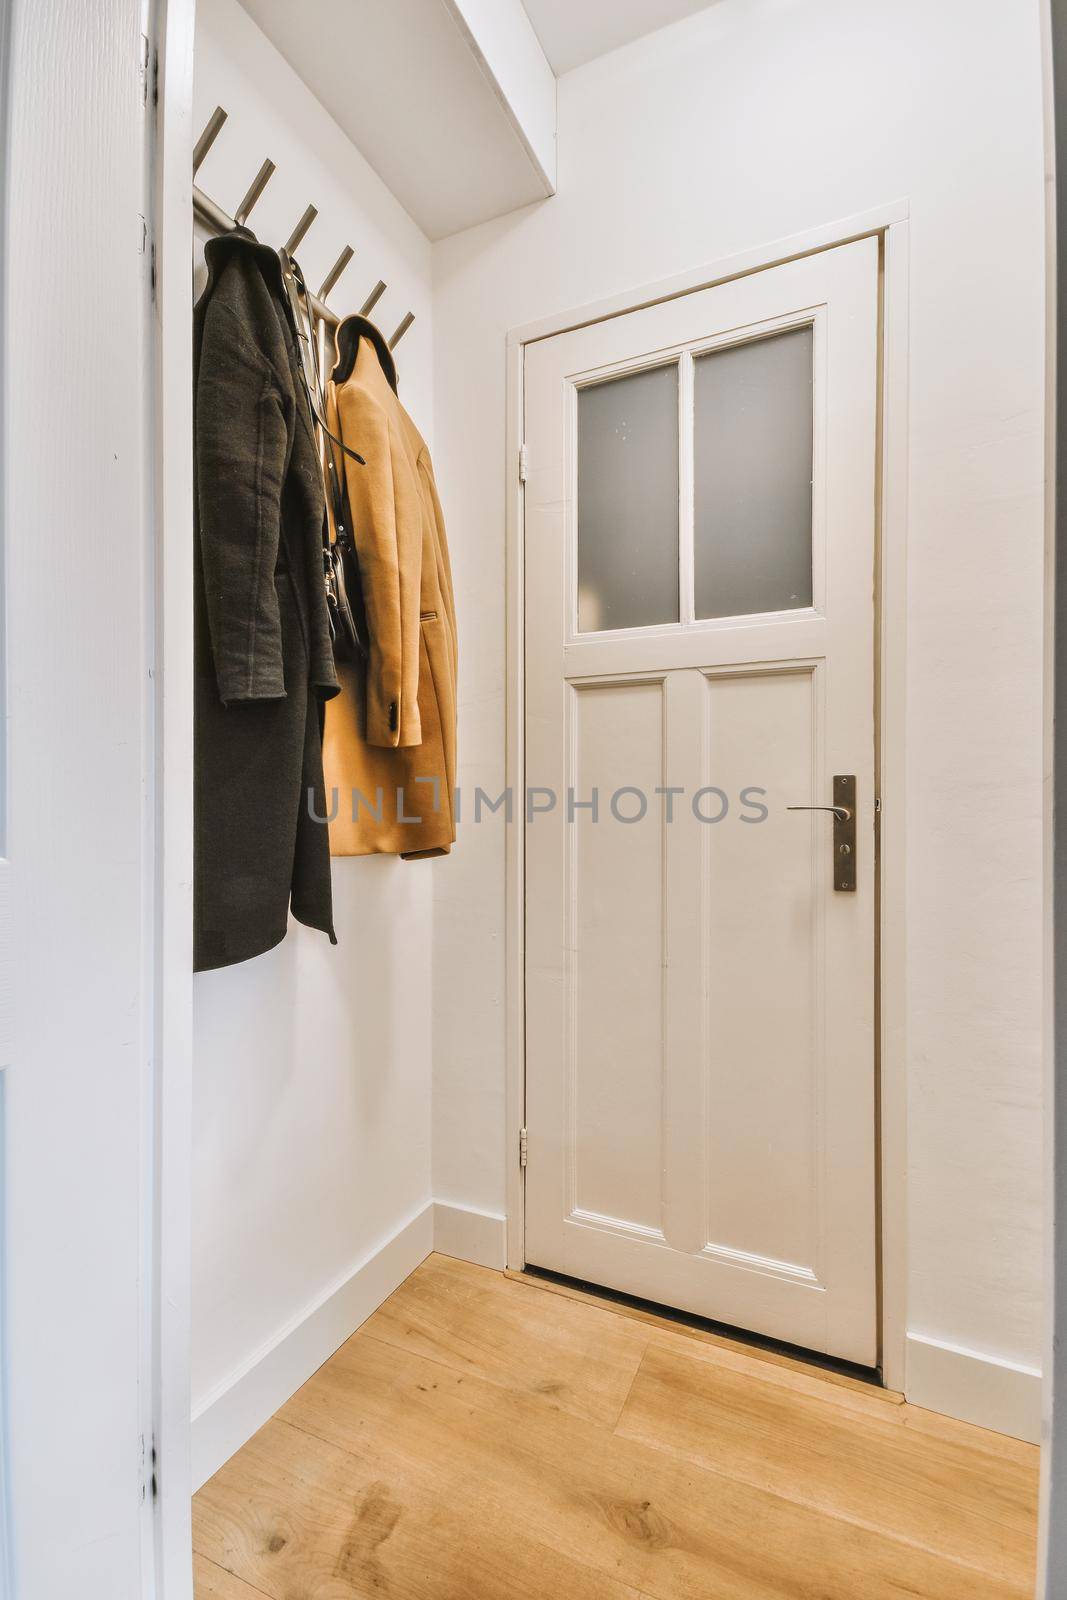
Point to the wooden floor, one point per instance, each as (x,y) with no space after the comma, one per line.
(484,1437)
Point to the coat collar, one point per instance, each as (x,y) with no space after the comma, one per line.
(221,245)
(350,332)
(219,249)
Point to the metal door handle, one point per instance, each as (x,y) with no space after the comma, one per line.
(844,814)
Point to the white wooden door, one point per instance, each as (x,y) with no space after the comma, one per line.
(78,866)
(700,556)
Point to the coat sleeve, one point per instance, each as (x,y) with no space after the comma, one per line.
(241,444)
(388,539)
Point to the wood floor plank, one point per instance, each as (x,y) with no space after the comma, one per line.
(754,1353)
(211,1582)
(579,1358)
(867,1399)
(306,1520)
(479,1439)
(865,1465)
(625,1509)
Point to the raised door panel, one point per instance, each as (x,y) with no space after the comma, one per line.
(761,913)
(616,908)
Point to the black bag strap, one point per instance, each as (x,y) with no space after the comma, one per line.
(340,559)
(308,350)
(350,577)
(338,493)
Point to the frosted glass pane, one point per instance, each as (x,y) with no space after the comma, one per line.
(628,501)
(752,476)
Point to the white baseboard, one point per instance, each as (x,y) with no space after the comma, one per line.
(996,1394)
(232,1413)
(478,1236)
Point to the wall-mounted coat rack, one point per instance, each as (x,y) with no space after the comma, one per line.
(218,221)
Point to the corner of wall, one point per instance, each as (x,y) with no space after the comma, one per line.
(470,1235)
(247,1399)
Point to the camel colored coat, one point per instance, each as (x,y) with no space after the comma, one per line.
(389,749)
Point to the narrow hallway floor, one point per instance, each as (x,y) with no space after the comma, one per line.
(483,1436)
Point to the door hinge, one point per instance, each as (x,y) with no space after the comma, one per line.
(149,1480)
(142,67)
(524,1147)
(524,462)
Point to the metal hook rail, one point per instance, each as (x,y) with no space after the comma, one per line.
(218,221)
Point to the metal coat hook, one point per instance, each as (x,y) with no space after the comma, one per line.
(207,138)
(403,328)
(259,183)
(214,218)
(310,213)
(372,299)
(330,280)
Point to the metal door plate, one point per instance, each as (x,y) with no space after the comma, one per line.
(845,833)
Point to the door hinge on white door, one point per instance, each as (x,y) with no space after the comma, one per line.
(149,1480)
(143,67)
(524,462)
(524,1147)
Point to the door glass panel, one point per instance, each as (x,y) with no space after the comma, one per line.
(753,416)
(628,501)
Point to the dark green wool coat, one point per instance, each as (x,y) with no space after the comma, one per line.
(264,665)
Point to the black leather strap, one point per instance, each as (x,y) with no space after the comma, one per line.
(308,349)
(346,631)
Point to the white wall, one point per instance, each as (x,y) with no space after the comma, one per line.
(311,1141)
(754,120)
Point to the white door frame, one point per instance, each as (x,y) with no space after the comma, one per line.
(890,224)
(129,624)
(172,28)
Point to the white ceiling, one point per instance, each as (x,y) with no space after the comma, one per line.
(453,102)
(574,31)
(413,87)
